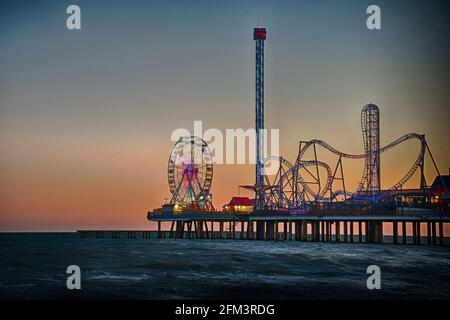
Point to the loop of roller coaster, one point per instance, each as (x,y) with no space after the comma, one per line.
(292,171)
(389,146)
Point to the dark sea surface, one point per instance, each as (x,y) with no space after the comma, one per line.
(33,266)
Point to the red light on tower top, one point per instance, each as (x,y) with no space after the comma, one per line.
(259,33)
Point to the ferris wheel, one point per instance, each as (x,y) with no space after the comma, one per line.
(190,172)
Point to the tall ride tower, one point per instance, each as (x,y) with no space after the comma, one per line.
(370,123)
(259,35)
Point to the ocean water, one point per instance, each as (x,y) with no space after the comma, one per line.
(33,266)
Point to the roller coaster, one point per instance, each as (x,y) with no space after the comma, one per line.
(297,185)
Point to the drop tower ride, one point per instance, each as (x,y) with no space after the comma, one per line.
(259,35)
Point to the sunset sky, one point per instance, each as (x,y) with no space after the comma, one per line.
(86,115)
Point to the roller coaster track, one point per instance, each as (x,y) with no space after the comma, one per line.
(320,196)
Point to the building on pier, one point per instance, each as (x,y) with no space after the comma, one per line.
(239,204)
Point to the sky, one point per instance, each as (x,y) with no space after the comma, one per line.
(86,115)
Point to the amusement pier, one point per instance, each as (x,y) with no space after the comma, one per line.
(305,200)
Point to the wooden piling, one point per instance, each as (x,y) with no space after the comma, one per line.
(345,231)
(433,232)
(351,231)
(159,230)
(367,231)
(395,232)
(429,232)
(322,231)
(338,231)
(418,233)
(404,233)
(360,236)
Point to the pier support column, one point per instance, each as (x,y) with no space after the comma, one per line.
(242,230)
(200,229)
(441,233)
(171,233)
(289,225)
(317,231)
(277,233)
(221,229)
(351,231)
(395,232)
(285,231)
(314,231)
(259,230)
(318,234)
(360,235)
(338,231)
(207,234)
(234,229)
(291,230)
(418,233)
(368,231)
(433,232)
(414,226)
(404,233)
(329,230)
(179,230)
(188,233)
(304,231)
(159,230)
(269,230)
(375,232)
(429,232)
(298,230)
(380,232)
(322,231)
(345,231)
(250,229)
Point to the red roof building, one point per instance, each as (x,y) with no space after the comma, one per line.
(239,204)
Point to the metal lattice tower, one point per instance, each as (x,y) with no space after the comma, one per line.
(370,124)
(259,35)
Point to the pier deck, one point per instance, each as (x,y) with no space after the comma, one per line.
(421,228)
(406,228)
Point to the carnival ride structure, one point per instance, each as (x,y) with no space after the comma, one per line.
(298,185)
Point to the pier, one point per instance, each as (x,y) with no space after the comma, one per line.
(411,229)
(406,229)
